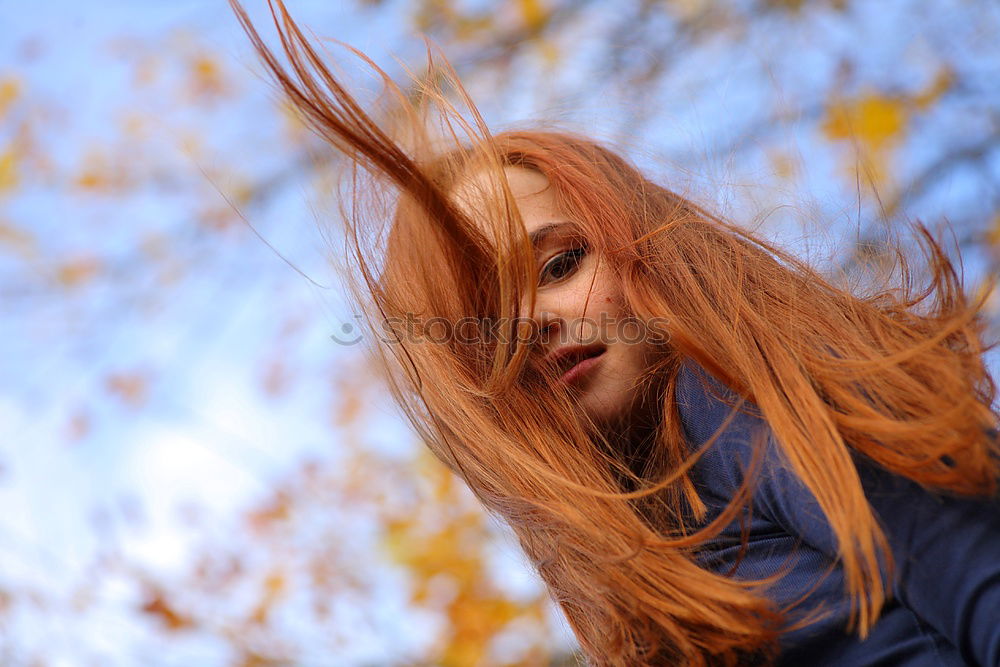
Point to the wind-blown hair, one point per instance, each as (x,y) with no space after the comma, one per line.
(896,375)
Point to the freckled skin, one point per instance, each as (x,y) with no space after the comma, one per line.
(609,394)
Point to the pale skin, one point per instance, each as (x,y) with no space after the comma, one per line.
(580,305)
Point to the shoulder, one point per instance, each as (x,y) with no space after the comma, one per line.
(946,549)
(711,412)
(734,446)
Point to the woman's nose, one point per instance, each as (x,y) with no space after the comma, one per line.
(549,324)
(544,320)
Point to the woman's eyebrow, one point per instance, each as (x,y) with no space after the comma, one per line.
(538,236)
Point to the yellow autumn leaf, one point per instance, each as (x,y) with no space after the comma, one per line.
(133,125)
(8,169)
(251,658)
(19,240)
(272,590)
(77,271)
(294,126)
(992,234)
(875,124)
(275,584)
(91,179)
(130,387)
(219,218)
(78,426)
(942,83)
(275,379)
(473,620)
(157,605)
(206,76)
(533,14)
(988,293)
(190,144)
(468,26)
(277,510)
(788,5)
(146,71)
(447,540)
(785,165)
(687,8)
(549,51)
(10,90)
(97,173)
(875,121)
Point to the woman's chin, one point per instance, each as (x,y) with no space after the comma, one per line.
(603,413)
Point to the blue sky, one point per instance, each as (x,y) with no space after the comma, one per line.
(207,436)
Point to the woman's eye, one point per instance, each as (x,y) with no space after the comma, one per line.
(561,265)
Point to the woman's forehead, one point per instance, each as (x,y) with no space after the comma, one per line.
(535,199)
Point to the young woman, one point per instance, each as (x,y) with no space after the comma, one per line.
(711,453)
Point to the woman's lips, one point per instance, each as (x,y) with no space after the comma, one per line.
(581,369)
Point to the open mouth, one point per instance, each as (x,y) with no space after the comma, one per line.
(576,363)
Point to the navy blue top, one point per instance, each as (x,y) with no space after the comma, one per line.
(946,594)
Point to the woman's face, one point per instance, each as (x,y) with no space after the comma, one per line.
(587,338)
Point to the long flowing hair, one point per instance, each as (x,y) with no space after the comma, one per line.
(895,374)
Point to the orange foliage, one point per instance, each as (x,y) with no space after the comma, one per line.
(276,378)
(157,606)
(877,123)
(8,170)
(10,90)
(79,270)
(131,388)
(533,14)
(219,218)
(206,77)
(18,240)
(276,510)
(79,426)
(875,120)
(451,551)
(271,591)
(99,171)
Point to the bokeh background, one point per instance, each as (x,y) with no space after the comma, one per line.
(193,472)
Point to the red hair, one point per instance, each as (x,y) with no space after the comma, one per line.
(897,375)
